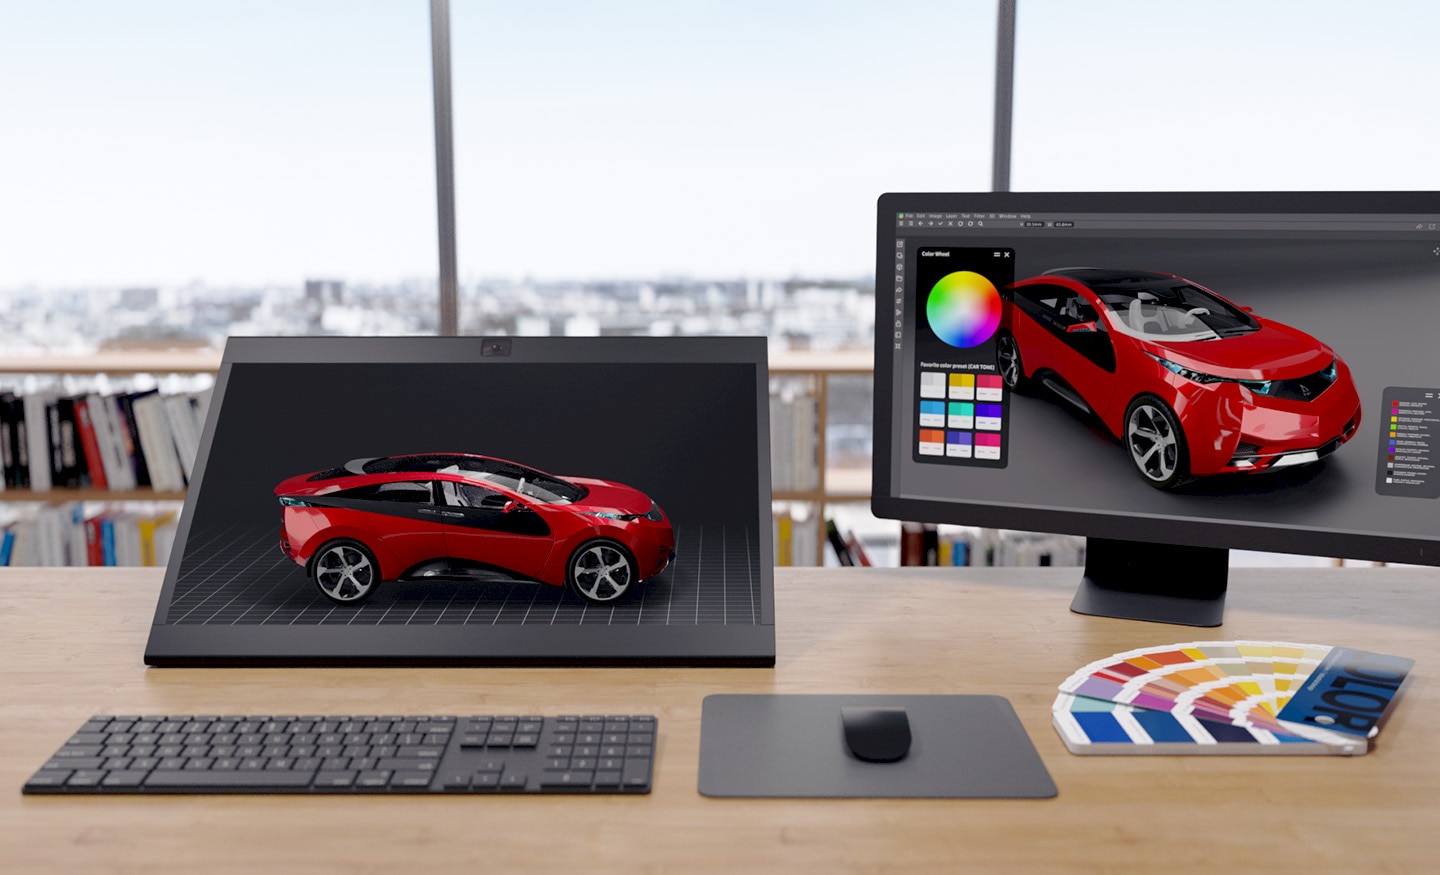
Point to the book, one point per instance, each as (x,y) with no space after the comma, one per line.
(1229,697)
(157,446)
(89,444)
(68,463)
(126,416)
(837,543)
(37,439)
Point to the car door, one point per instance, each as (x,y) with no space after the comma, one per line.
(400,516)
(488,527)
(1081,349)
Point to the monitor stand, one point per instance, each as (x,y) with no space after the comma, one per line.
(1158,583)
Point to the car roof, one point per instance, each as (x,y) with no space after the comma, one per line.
(1130,280)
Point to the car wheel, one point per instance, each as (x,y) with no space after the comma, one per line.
(1156,443)
(602,571)
(1007,358)
(346,572)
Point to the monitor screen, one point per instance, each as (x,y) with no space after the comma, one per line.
(1217,370)
(469,500)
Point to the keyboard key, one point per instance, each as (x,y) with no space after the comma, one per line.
(398,764)
(490,764)
(567,779)
(485,780)
(335,778)
(607,779)
(86,778)
(636,772)
(411,779)
(513,781)
(373,779)
(49,778)
(219,782)
(456,781)
(124,779)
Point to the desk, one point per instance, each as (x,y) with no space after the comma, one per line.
(71,644)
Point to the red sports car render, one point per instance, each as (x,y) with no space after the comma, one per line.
(1190,383)
(447,516)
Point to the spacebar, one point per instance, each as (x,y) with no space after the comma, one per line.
(222,781)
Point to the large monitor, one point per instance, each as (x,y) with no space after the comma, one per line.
(467,500)
(1169,374)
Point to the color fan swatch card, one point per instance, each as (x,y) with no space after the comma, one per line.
(1229,697)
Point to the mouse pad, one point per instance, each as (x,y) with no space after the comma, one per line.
(794,746)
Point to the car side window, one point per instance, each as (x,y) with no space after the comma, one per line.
(405,492)
(470,495)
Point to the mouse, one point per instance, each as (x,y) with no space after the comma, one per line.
(876,735)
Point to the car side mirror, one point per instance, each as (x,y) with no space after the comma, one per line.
(512,507)
(1248,309)
(1080,328)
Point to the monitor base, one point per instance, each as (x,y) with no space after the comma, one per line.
(1156,583)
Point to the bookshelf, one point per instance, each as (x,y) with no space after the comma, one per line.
(135,524)
(112,364)
(831,483)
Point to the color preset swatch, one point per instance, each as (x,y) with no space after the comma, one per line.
(961,416)
(1227,697)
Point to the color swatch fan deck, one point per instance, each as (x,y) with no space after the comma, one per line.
(1229,697)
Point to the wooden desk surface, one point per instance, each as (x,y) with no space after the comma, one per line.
(71,643)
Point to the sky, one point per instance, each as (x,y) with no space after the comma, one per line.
(158,143)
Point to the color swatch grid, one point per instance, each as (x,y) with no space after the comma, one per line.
(1215,697)
(961,415)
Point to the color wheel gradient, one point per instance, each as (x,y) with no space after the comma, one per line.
(963,309)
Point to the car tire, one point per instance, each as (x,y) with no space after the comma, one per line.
(345,571)
(602,571)
(1009,363)
(1155,442)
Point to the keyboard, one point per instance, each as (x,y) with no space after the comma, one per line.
(356,754)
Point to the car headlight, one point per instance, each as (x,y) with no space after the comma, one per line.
(1259,387)
(608,515)
(287,501)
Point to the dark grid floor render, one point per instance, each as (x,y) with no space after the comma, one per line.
(236,576)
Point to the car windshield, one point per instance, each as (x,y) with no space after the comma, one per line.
(1173,310)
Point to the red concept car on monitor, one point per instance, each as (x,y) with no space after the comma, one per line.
(448,516)
(1191,384)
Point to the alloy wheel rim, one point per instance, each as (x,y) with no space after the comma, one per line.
(344,573)
(1153,444)
(602,572)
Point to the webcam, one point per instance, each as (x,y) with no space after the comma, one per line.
(494,346)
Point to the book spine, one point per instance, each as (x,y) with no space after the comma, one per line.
(68,467)
(7,543)
(7,442)
(107,540)
(784,546)
(125,404)
(89,444)
(837,543)
(37,437)
(94,546)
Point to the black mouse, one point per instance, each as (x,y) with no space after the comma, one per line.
(876,735)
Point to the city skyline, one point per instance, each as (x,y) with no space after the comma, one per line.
(151,145)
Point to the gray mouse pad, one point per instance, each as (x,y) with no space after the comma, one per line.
(794,746)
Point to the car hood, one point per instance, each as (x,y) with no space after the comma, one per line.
(1275,352)
(605,495)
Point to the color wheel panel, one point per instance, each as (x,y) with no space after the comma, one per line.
(963,309)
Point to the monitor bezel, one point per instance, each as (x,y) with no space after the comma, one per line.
(1134,527)
(711,645)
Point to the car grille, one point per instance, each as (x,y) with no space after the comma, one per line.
(1302,388)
